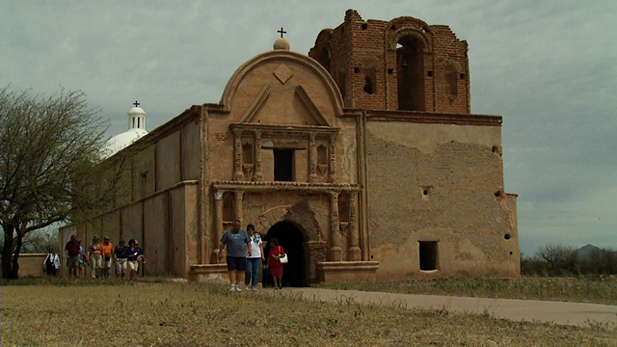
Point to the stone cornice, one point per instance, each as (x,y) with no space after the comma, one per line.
(285,128)
(433,118)
(253,186)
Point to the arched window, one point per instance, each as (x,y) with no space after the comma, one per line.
(324,58)
(410,73)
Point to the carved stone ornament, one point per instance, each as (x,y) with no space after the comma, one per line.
(283,73)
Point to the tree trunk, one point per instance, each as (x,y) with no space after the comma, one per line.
(7,251)
(15,269)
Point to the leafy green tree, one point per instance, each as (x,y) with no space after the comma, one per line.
(49,155)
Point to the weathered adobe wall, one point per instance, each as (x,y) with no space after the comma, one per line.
(166,159)
(460,169)
(31,265)
(165,224)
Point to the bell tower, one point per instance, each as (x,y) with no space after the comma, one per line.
(403,64)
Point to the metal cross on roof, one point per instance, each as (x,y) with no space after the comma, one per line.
(282,32)
(136,103)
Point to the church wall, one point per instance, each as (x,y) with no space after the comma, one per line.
(191,226)
(144,173)
(438,183)
(156,236)
(131,219)
(177,233)
(183,229)
(168,161)
(191,144)
(220,146)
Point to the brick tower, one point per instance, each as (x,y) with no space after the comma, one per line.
(403,64)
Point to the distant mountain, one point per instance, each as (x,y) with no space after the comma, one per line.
(584,251)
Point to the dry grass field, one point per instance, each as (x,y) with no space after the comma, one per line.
(88,313)
(601,290)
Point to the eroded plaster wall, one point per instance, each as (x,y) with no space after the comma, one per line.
(438,183)
(168,161)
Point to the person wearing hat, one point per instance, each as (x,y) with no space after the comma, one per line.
(72,255)
(107,250)
(95,257)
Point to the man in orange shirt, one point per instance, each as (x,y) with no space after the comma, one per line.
(107,249)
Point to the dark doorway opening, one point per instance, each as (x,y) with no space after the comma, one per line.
(290,237)
(428,255)
(283,165)
(410,74)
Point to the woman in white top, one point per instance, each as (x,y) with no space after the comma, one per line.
(253,262)
(52,263)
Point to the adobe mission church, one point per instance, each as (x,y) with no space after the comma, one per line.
(363,158)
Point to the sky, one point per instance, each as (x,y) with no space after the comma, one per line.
(548,67)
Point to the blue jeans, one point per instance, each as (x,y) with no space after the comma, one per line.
(252,271)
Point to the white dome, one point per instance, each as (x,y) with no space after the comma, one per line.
(137,111)
(121,141)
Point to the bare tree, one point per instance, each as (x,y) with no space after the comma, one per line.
(559,259)
(49,152)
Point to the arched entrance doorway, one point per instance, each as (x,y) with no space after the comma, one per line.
(291,238)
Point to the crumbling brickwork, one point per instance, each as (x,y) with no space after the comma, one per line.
(402,64)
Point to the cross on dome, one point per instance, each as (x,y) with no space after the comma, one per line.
(136,103)
(282,32)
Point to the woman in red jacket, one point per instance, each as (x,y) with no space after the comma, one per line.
(274,264)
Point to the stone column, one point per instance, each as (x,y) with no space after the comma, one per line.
(312,159)
(332,171)
(239,215)
(258,176)
(353,253)
(218,222)
(336,253)
(238,174)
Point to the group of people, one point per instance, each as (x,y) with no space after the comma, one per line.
(100,256)
(245,252)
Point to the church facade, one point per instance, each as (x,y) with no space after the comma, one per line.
(362,158)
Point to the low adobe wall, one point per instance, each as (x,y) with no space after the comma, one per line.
(31,264)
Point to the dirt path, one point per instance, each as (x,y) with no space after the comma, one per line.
(564,313)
